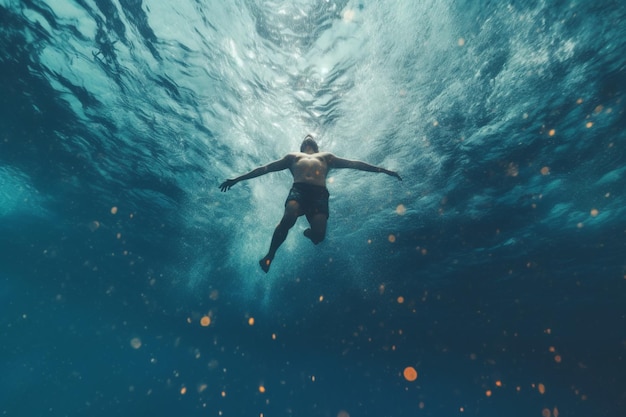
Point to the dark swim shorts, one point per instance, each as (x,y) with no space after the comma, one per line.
(313,199)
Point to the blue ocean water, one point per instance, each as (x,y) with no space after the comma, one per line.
(129,285)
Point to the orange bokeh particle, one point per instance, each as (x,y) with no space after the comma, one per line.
(552,132)
(114,210)
(400,299)
(545,171)
(183,391)
(557,358)
(589,125)
(251,321)
(94,225)
(498,383)
(135,342)
(488,393)
(541,388)
(400,210)
(261,389)
(545,412)
(205,321)
(410,374)
(594,212)
(392,238)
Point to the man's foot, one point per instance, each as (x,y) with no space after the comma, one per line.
(309,234)
(265,263)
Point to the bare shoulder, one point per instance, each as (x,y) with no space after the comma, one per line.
(290,158)
(280,164)
(334,161)
(326,156)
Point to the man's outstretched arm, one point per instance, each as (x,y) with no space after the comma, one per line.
(278,165)
(336,162)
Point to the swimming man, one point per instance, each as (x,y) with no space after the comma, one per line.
(308,195)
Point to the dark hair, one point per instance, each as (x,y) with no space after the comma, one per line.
(309,141)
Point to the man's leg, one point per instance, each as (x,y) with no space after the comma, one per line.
(317,232)
(292,211)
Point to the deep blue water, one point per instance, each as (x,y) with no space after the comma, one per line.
(497,268)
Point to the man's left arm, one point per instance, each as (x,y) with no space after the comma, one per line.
(336,162)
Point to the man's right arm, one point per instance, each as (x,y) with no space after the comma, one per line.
(336,162)
(278,165)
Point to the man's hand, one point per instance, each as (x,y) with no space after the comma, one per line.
(225,186)
(393,174)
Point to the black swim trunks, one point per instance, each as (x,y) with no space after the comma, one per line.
(313,199)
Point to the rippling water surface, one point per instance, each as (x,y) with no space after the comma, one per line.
(495,269)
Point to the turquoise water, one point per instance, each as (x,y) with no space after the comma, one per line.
(495,269)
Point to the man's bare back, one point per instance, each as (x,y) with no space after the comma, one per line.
(309,168)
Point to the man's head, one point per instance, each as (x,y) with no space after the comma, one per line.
(309,142)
